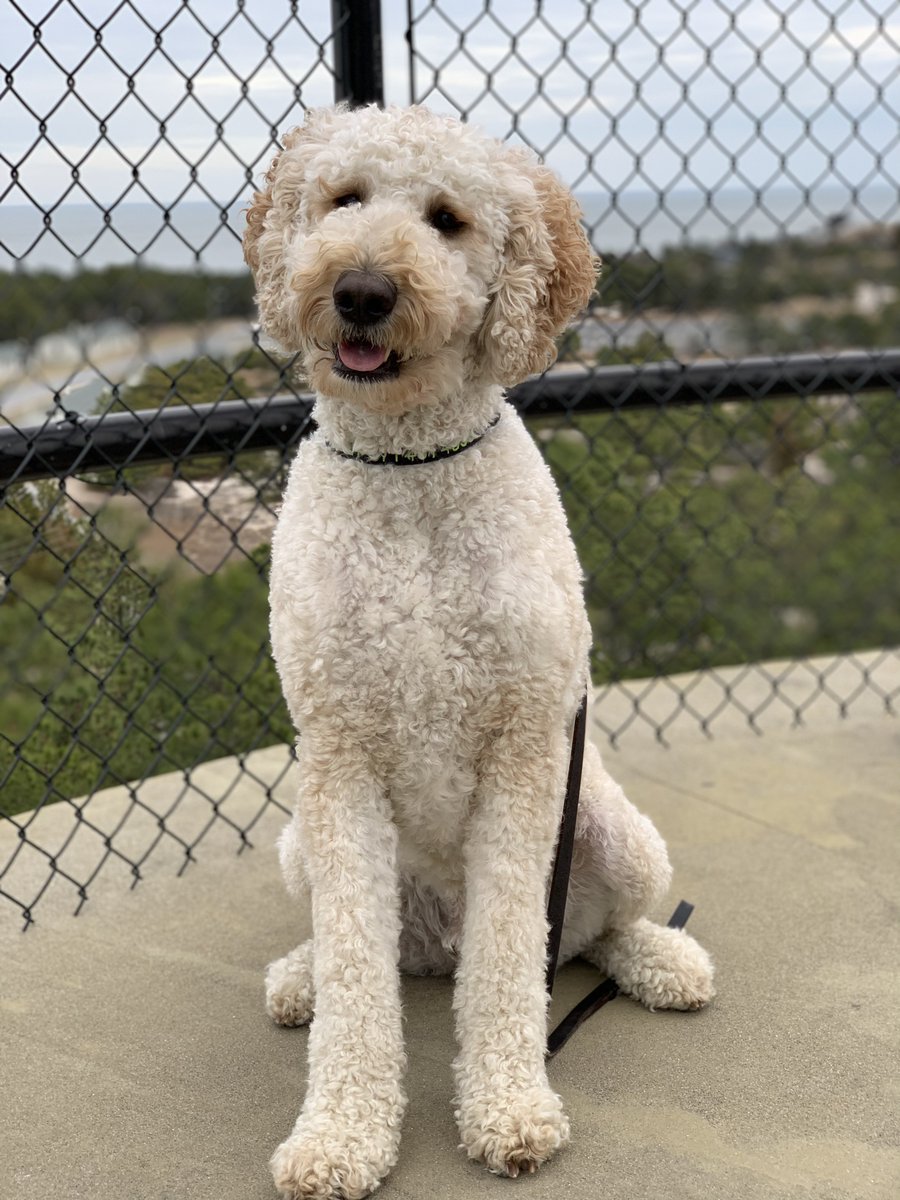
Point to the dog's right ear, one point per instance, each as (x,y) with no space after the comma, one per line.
(315,132)
(261,203)
(256,217)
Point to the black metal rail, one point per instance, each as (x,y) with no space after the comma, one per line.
(122,439)
(118,440)
(709,382)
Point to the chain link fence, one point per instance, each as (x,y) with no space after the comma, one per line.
(723,420)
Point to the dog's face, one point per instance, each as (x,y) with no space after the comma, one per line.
(402,254)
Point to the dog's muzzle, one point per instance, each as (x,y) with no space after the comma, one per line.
(363,300)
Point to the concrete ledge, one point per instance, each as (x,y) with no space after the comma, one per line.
(768,697)
(123,835)
(136,1059)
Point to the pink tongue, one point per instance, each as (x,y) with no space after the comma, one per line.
(359,356)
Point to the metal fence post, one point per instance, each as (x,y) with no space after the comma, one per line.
(357,51)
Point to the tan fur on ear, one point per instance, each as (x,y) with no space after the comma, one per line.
(256,217)
(547,277)
(575,270)
(262,200)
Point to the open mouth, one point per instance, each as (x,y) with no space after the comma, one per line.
(362,360)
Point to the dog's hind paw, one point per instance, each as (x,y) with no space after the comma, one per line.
(515,1133)
(289,987)
(659,966)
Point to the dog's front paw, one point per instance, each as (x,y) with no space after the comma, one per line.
(289,987)
(312,1166)
(513,1132)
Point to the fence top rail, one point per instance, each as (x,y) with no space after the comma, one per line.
(123,439)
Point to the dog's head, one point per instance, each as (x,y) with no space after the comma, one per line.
(403,253)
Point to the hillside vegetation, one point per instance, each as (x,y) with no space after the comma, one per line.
(33,304)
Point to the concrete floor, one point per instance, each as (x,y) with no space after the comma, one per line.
(136,1059)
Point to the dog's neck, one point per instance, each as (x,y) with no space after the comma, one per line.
(451,421)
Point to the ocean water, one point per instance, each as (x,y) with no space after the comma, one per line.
(200,236)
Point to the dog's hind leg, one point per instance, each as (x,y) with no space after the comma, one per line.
(620,866)
(290,994)
(621,872)
(289,981)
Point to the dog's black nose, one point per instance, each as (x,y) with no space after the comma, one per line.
(363,297)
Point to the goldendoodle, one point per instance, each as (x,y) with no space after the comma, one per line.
(431,638)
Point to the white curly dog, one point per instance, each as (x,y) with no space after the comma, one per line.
(431,638)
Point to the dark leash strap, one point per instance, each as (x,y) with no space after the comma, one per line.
(559,882)
(559,890)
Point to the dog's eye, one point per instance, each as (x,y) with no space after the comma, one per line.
(445,221)
(346,200)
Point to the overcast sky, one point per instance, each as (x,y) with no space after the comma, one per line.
(659,94)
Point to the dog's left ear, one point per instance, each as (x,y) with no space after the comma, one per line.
(546,277)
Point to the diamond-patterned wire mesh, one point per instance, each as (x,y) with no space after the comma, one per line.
(738,169)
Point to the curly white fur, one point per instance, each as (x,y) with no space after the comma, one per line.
(431,638)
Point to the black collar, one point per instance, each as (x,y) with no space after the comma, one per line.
(413,460)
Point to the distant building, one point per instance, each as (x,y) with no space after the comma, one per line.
(870,298)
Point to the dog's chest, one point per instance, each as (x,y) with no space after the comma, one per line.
(406,602)
(397,607)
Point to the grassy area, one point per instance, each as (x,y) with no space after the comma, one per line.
(736,533)
(109,672)
(252,373)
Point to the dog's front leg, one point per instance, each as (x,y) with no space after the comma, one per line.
(508,1115)
(347,1135)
